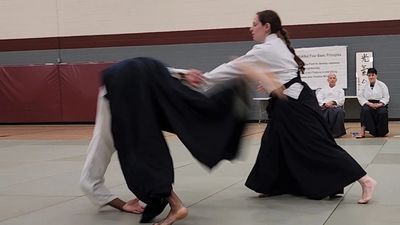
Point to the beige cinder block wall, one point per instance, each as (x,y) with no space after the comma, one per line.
(52,18)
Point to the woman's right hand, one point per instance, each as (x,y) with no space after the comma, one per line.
(194,77)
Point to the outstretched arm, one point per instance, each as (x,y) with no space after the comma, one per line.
(193,77)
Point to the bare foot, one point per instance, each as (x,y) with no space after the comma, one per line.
(361,134)
(262,195)
(265,195)
(173,216)
(368,185)
(133,206)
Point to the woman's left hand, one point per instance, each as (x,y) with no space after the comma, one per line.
(268,81)
(260,88)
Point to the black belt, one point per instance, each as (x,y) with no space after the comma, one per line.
(297,79)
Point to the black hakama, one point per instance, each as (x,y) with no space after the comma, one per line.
(375,120)
(144,100)
(335,119)
(298,155)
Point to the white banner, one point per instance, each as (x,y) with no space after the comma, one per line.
(364,60)
(320,61)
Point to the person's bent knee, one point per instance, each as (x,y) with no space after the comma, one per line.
(366,108)
(382,112)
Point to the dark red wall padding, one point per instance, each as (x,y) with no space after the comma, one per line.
(29,94)
(79,89)
(49,93)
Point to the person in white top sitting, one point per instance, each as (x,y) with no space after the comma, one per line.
(374,99)
(331,100)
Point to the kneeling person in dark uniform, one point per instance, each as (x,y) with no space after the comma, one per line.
(374,98)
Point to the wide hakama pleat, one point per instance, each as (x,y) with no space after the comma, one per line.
(335,119)
(298,154)
(146,100)
(375,120)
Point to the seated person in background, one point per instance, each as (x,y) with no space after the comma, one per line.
(373,98)
(331,100)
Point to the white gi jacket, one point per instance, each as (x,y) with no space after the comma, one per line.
(378,92)
(270,56)
(327,94)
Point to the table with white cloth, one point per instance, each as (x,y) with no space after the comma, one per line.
(262,105)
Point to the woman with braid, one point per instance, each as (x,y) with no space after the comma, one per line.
(298,154)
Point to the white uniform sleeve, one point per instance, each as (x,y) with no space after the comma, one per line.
(100,151)
(341,98)
(231,69)
(385,94)
(177,73)
(320,96)
(361,95)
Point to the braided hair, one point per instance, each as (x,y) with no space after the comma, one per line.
(271,17)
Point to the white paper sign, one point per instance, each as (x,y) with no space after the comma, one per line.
(320,62)
(364,60)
